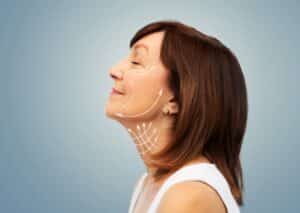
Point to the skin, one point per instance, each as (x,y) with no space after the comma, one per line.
(201,198)
(141,110)
(141,105)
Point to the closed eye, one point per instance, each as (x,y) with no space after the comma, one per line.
(134,62)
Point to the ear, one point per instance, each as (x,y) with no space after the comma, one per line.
(172,106)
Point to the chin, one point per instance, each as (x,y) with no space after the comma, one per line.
(110,111)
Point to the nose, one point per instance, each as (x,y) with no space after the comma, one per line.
(116,72)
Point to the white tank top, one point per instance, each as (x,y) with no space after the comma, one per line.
(205,172)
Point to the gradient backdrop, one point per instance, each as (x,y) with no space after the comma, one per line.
(58,151)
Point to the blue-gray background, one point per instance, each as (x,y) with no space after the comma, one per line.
(58,151)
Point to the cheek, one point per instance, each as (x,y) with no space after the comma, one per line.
(146,86)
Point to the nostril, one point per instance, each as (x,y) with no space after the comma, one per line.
(116,75)
(113,76)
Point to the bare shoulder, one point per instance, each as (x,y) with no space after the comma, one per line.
(192,197)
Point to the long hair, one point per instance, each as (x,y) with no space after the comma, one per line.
(209,87)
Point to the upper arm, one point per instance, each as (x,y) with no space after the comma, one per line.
(192,197)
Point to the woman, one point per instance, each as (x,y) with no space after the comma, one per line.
(181,95)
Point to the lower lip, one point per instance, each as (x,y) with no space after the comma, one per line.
(113,92)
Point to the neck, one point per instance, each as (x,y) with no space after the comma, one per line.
(149,136)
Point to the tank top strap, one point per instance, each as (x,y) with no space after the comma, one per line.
(136,191)
(204,172)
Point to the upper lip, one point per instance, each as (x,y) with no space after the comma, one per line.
(118,91)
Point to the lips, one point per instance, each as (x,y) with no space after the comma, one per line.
(114,90)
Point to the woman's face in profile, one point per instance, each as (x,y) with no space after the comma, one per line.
(142,80)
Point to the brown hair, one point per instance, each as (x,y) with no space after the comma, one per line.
(209,87)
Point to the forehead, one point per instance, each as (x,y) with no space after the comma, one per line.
(150,43)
